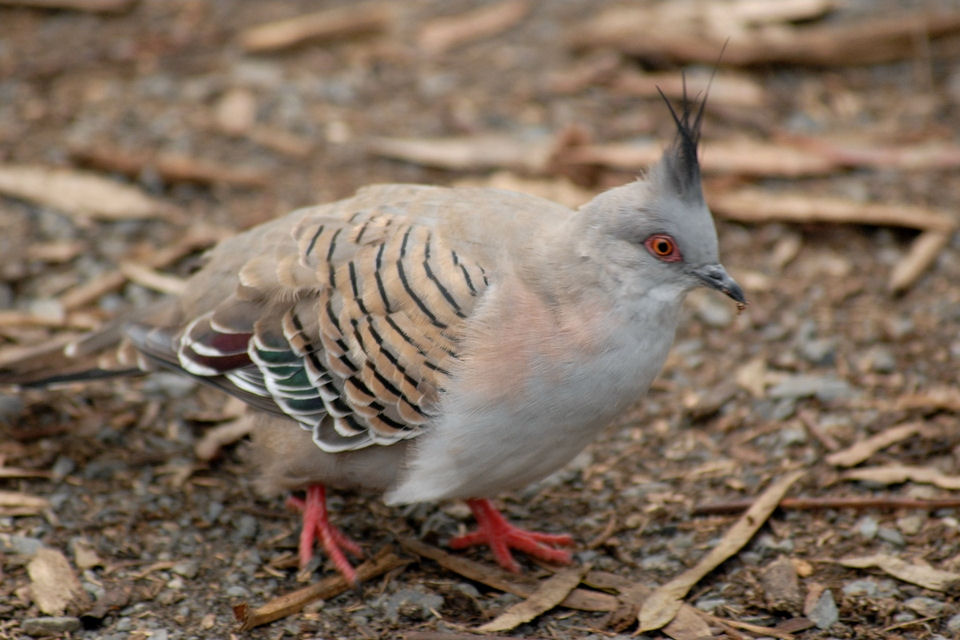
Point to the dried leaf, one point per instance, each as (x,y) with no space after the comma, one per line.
(898,473)
(54,584)
(663,604)
(81,194)
(290,603)
(918,574)
(860,451)
(550,593)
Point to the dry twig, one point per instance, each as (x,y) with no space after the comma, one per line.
(583,599)
(290,603)
(813,504)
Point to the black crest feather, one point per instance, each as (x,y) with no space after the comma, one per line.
(682,168)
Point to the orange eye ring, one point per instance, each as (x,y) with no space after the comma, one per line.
(663,247)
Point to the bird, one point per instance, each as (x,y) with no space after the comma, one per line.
(433,343)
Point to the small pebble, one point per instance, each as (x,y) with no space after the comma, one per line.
(825,388)
(186,568)
(49,626)
(864,587)
(709,604)
(237,591)
(658,562)
(63,467)
(20,545)
(892,536)
(824,614)
(953,624)
(925,606)
(767,542)
(868,527)
(411,604)
(246,528)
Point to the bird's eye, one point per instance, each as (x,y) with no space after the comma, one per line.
(663,247)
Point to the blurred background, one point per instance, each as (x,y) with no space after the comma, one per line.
(136,133)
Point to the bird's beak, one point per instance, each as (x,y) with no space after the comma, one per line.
(716,277)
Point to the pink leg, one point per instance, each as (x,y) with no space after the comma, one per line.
(316,524)
(501,536)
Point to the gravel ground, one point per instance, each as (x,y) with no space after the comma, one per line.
(165,544)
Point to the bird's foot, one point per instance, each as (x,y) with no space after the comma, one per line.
(495,531)
(316,525)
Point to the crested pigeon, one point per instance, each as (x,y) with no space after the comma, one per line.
(436,343)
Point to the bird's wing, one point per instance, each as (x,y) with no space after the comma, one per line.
(347,318)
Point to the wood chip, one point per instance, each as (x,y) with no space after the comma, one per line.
(550,593)
(54,585)
(23,502)
(16,472)
(84,554)
(919,574)
(755,629)
(758,205)
(89,6)
(467,153)
(923,252)
(727,88)
(330,24)
(82,194)
(172,167)
(582,599)
(696,32)
(557,189)
(216,438)
(152,279)
(899,473)
(931,399)
(781,586)
(732,157)
(442,34)
(662,606)
(324,589)
(196,237)
(857,453)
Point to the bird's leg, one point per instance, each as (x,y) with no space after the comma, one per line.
(316,524)
(501,536)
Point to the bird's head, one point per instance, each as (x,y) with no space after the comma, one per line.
(656,234)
